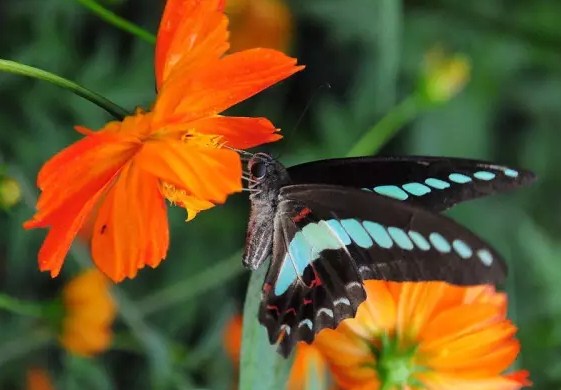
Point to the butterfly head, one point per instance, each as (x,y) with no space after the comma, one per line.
(266,176)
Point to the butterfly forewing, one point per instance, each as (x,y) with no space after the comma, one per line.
(435,183)
(328,239)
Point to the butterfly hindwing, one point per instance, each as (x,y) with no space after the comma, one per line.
(328,239)
(435,183)
(300,299)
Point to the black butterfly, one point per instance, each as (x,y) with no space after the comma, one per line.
(329,225)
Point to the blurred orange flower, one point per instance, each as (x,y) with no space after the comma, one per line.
(307,360)
(425,335)
(120,176)
(89,314)
(38,379)
(259,23)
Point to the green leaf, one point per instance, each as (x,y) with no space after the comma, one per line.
(261,366)
(86,374)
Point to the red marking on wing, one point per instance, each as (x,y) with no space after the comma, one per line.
(267,288)
(273,307)
(307,301)
(317,281)
(291,310)
(303,213)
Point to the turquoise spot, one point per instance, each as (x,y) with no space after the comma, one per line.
(459,178)
(320,237)
(357,232)
(484,175)
(437,183)
(416,189)
(287,275)
(419,240)
(306,247)
(439,243)
(392,192)
(379,234)
(337,228)
(301,252)
(511,173)
(400,238)
(485,256)
(462,249)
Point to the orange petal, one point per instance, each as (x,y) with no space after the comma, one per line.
(308,369)
(78,172)
(192,32)
(416,304)
(376,315)
(208,173)
(469,350)
(131,228)
(63,231)
(522,377)
(458,321)
(445,381)
(72,183)
(238,132)
(220,84)
(349,357)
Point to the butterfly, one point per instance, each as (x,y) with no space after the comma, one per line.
(329,225)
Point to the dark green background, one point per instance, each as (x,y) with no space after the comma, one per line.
(370,52)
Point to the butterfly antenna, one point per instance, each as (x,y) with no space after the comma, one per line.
(244,153)
(305,111)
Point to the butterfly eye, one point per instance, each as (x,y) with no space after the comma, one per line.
(258,170)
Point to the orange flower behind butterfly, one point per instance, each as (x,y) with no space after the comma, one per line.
(263,23)
(117,178)
(308,366)
(38,379)
(89,312)
(425,335)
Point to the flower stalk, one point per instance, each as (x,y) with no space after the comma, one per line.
(17,306)
(40,74)
(117,21)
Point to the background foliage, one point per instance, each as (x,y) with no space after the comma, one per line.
(370,52)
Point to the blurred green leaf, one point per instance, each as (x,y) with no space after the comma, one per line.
(261,366)
(85,374)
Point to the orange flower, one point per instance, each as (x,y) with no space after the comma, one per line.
(232,338)
(263,23)
(120,176)
(307,360)
(309,367)
(38,379)
(425,335)
(89,314)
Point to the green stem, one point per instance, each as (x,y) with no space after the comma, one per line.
(117,21)
(205,280)
(17,306)
(388,126)
(29,71)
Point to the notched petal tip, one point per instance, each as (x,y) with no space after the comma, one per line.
(84,130)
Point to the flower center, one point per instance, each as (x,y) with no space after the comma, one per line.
(396,365)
